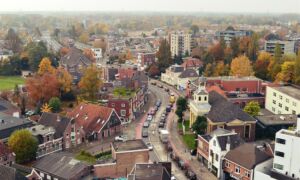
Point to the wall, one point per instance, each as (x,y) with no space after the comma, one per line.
(231,170)
(261,170)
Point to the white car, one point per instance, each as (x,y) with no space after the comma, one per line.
(150,147)
(173,178)
(120,138)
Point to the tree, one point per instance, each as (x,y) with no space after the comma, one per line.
(261,65)
(164,55)
(179,113)
(195,29)
(287,72)
(244,44)
(234,45)
(89,54)
(63,51)
(100,43)
(90,83)
(217,52)
(200,125)
(181,103)
(275,64)
(209,70)
(252,108)
(220,69)
(46,108)
(241,66)
(12,41)
(297,70)
(36,51)
(84,37)
(24,145)
(153,70)
(65,80)
(253,47)
(42,88)
(55,104)
(46,67)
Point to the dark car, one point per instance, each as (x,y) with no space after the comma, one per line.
(161,125)
(168,109)
(193,152)
(158,103)
(144,133)
(190,174)
(162,119)
(167,90)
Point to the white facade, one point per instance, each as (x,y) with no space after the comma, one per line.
(286,153)
(180,43)
(283,100)
(215,156)
(262,170)
(97,53)
(286,46)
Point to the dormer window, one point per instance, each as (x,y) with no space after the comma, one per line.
(199,98)
(205,98)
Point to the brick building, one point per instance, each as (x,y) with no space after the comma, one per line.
(7,157)
(125,155)
(240,162)
(98,122)
(65,128)
(122,106)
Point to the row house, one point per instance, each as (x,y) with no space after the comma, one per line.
(212,148)
(47,143)
(122,106)
(7,157)
(220,113)
(97,122)
(65,128)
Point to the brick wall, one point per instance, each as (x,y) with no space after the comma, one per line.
(230,169)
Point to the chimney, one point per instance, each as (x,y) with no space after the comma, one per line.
(298,123)
(228,143)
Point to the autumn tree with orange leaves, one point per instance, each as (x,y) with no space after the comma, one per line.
(46,67)
(241,66)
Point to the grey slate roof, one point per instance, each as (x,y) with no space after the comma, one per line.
(7,107)
(234,141)
(75,57)
(188,73)
(9,173)
(224,111)
(8,124)
(247,155)
(56,121)
(61,165)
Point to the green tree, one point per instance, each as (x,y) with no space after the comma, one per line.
(55,104)
(209,70)
(13,42)
(24,145)
(275,65)
(36,52)
(234,45)
(179,113)
(253,47)
(164,55)
(252,108)
(181,103)
(200,125)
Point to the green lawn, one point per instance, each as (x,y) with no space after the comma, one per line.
(186,124)
(9,82)
(189,140)
(85,156)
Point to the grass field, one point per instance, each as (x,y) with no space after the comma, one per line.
(9,82)
(189,140)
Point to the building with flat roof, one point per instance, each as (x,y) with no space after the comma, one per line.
(149,171)
(286,46)
(180,43)
(283,100)
(231,33)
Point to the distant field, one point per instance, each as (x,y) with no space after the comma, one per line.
(9,82)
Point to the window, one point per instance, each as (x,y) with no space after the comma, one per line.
(237,170)
(274,102)
(286,108)
(112,104)
(67,135)
(278,166)
(199,98)
(217,157)
(123,105)
(48,177)
(237,89)
(227,164)
(293,111)
(278,153)
(280,141)
(42,174)
(123,112)
(274,94)
(205,98)
(280,105)
(247,174)
(273,109)
(280,97)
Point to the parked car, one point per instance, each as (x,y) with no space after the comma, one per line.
(149,118)
(146,124)
(173,177)
(162,119)
(121,138)
(158,103)
(161,125)
(153,83)
(190,174)
(167,90)
(194,152)
(160,86)
(150,147)
(145,133)
(168,109)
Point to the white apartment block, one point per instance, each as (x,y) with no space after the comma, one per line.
(283,100)
(180,43)
(286,46)
(286,153)
(97,53)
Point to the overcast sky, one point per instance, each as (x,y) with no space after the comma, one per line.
(237,6)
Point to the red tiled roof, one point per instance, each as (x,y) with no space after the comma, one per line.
(217,89)
(192,62)
(3,149)
(126,73)
(90,116)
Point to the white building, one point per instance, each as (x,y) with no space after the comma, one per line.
(171,74)
(286,46)
(180,43)
(97,53)
(283,100)
(286,153)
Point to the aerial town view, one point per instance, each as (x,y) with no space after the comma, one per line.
(150,90)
